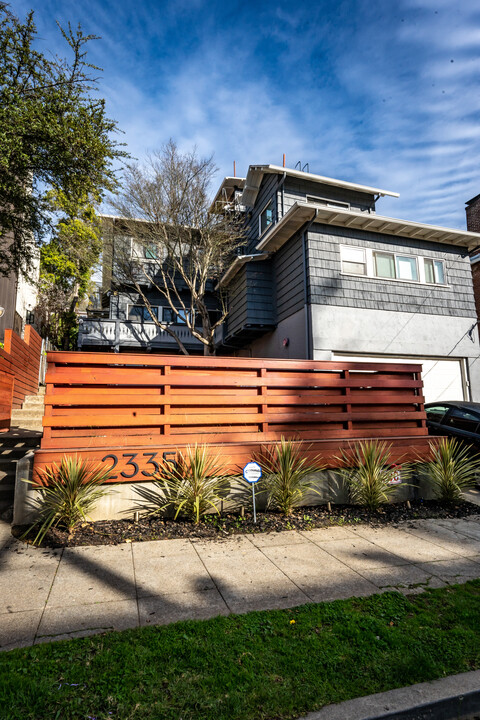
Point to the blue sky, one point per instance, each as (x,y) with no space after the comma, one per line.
(382,93)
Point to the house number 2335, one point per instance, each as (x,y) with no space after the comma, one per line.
(132,467)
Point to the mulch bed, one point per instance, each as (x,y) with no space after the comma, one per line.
(112,532)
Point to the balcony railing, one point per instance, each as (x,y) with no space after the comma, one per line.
(119,333)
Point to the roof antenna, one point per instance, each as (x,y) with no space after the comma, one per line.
(234,170)
(307,165)
(298,166)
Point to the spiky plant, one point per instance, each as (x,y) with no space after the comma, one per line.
(452,469)
(69,491)
(191,486)
(286,468)
(368,472)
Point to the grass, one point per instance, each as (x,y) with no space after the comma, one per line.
(272,664)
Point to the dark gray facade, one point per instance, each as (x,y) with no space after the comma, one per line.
(317,309)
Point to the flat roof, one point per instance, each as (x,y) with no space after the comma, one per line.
(256,173)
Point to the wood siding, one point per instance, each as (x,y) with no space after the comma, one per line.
(329,287)
(129,410)
(296,190)
(289,278)
(21,358)
(6,396)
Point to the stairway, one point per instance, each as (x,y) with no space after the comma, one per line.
(24,435)
(31,414)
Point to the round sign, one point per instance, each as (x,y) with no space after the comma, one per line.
(252,472)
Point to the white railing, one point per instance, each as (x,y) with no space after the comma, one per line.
(117,332)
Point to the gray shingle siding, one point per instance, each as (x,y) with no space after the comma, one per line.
(268,190)
(251,297)
(289,278)
(327,286)
(297,190)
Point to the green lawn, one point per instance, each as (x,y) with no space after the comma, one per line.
(273,664)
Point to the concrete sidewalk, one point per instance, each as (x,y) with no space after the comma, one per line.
(48,595)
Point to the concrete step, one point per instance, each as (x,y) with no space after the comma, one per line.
(34,401)
(19,416)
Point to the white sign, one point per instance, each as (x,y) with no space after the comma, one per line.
(252,472)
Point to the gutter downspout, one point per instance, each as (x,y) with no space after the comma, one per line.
(307,307)
(281,185)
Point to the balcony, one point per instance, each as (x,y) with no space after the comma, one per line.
(119,334)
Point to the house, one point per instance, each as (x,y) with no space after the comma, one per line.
(18,298)
(324,276)
(118,318)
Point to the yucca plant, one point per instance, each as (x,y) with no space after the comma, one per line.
(68,493)
(191,486)
(368,472)
(286,468)
(453,468)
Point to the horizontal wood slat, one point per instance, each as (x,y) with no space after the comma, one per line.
(144,404)
(6,394)
(21,358)
(137,463)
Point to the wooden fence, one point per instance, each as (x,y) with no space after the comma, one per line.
(130,410)
(21,358)
(6,396)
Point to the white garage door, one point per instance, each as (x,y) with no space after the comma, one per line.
(442,379)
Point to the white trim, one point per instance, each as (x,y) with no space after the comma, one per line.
(370,266)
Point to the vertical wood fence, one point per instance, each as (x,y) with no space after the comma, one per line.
(129,410)
(21,358)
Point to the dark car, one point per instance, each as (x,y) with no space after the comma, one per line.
(457,418)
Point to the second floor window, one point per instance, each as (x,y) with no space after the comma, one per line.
(266,217)
(402,267)
(391,265)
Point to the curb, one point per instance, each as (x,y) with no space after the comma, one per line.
(456,697)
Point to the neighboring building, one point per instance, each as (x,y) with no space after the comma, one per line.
(324,277)
(18,298)
(117,318)
(473,225)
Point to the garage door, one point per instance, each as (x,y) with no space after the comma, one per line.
(442,379)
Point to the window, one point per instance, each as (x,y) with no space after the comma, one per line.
(434,271)
(436,414)
(353,260)
(266,217)
(139,313)
(463,420)
(401,267)
(315,200)
(391,266)
(150,252)
(170,317)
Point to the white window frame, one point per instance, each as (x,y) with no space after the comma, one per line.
(266,206)
(370,263)
(434,260)
(396,255)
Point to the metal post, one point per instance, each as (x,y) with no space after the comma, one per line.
(254,508)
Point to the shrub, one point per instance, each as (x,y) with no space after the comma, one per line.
(191,486)
(368,473)
(286,469)
(452,469)
(68,493)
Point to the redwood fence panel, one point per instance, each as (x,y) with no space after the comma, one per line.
(21,358)
(6,395)
(130,409)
